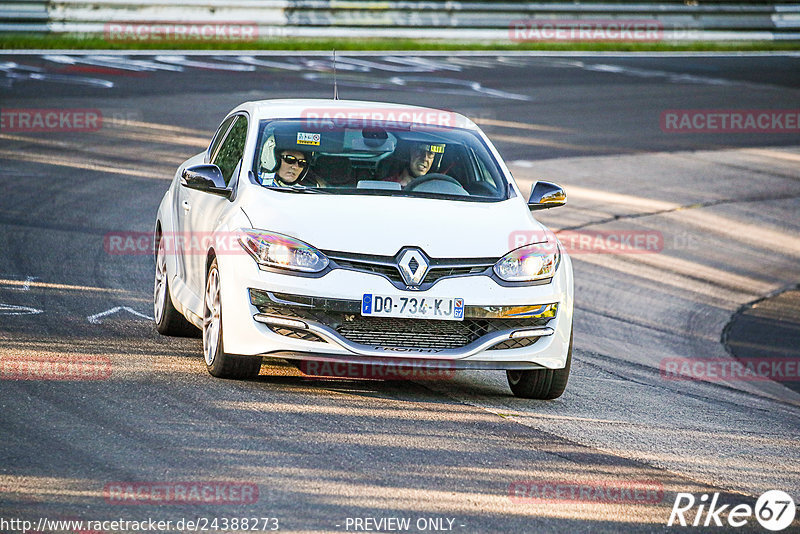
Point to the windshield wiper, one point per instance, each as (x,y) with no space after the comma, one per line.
(312,190)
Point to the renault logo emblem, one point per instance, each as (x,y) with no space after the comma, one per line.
(413,266)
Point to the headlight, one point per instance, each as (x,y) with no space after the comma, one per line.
(276,250)
(531,262)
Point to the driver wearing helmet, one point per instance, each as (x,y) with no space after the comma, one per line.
(284,167)
(420,162)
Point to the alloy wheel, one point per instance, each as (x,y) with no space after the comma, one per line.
(211,317)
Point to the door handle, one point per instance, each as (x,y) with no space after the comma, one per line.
(186,206)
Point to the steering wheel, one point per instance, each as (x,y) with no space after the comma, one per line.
(416,182)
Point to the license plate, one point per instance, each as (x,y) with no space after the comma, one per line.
(448,309)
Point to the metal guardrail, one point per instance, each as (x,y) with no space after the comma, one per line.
(30,15)
(416,19)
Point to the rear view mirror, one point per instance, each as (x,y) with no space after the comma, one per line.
(546,195)
(207,178)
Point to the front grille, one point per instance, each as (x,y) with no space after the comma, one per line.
(389,271)
(387,266)
(425,334)
(437,273)
(411,333)
(416,333)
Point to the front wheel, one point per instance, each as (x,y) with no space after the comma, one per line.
(169,321)
(543,384)
(219,363)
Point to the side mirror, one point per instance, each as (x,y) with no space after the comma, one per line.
(206,178)
(546,195)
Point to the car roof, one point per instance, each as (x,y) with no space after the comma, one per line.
(318,108)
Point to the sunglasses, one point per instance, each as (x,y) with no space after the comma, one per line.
(291,160)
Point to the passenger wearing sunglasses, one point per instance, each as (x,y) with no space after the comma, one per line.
(286,168)
(293,167)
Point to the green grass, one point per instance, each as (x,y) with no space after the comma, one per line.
(94,42)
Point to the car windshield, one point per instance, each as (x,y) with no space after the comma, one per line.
(377,159)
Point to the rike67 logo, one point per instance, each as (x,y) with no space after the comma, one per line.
(774,510)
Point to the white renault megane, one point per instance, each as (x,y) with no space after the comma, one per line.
(366,233)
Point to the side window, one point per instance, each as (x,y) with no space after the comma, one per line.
(219,135)
(232,149)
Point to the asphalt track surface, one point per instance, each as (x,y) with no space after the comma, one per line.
(320,451)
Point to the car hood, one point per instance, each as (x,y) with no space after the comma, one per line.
(382,225)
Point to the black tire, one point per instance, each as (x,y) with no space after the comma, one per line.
(218,362)
(542,384)
(169,321)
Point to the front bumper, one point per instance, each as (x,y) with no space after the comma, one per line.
(286,316)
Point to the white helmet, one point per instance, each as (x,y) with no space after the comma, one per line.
(270,157)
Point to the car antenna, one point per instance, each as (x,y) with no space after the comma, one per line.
(335,85)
